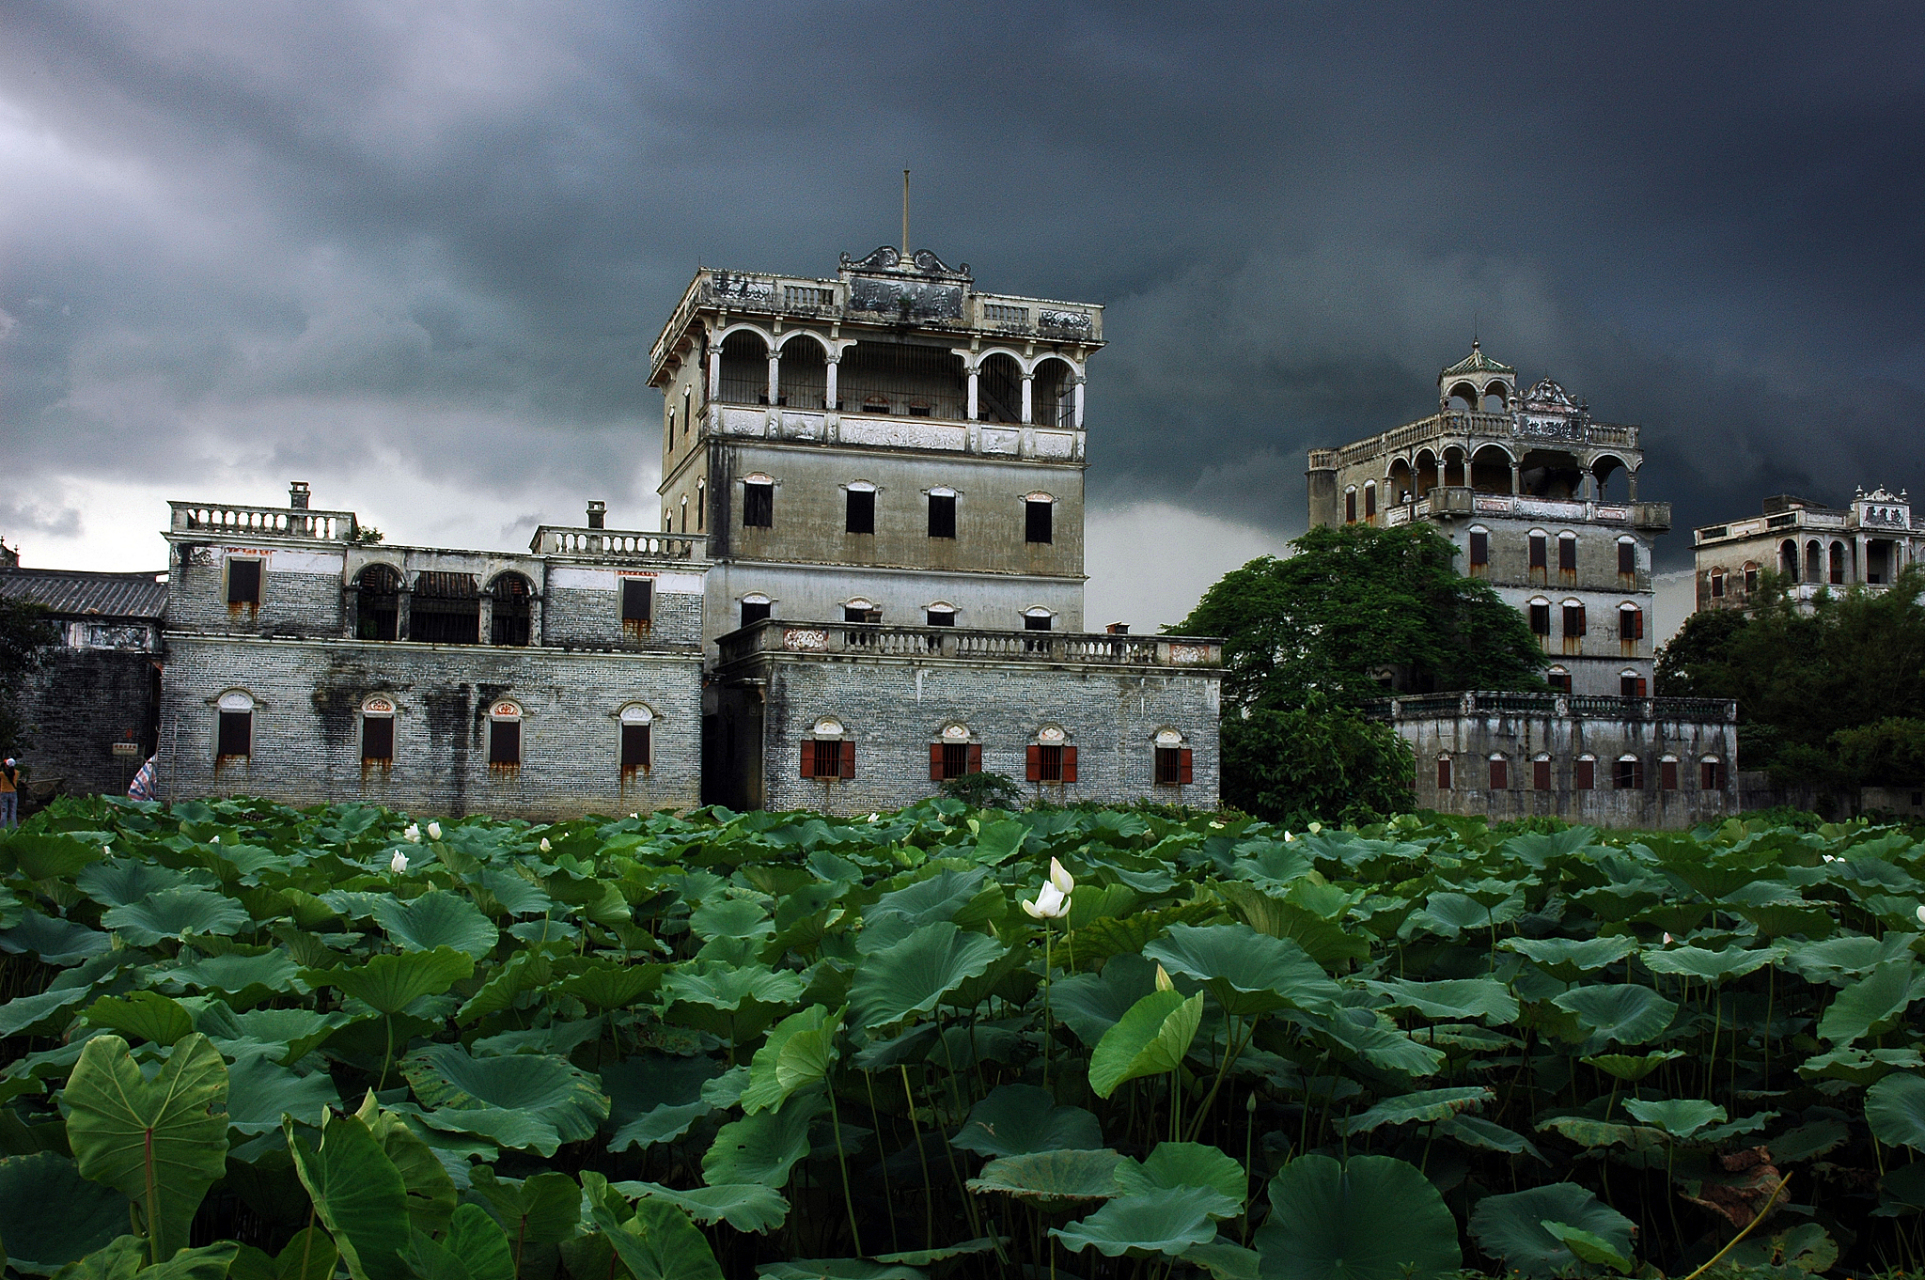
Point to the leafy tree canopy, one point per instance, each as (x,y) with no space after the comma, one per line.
(1356,602)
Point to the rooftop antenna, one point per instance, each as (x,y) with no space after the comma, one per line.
(905,214)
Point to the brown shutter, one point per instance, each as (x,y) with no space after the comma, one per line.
(935,762)
(848,759)
(1183,765)
(808,759)
(1033,762)
(1069,764)
(975,757)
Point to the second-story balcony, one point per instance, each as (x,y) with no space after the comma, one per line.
(1456,500)
(585,542)
(779,636)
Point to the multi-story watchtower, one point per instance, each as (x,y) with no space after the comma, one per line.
(1522,484)
(886,445)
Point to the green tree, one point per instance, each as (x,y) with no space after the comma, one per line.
(26,634)
(1309,640)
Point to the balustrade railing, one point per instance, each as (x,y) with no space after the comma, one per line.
(620,543)
(1584,706)
(779,636)
(269,522)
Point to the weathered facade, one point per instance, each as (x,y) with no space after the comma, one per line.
(91,710)
(1650,763)
(1812,548)
(305,665)
(1524,485)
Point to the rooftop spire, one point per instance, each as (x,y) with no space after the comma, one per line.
(905,213)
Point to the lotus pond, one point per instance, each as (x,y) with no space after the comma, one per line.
(243,1040)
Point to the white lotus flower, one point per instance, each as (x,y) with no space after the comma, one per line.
(1828,857)
(1667,939)
(1050,903)
(434,831)
(545,846)
(1064,882)
(411,833)
(398,863)
(1921,915)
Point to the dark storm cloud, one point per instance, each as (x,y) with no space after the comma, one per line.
(439,238)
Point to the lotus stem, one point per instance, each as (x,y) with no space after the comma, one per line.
(928,1187)
(888,1193)
(842,1164)
(1749,1228)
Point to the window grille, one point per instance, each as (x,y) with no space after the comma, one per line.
(1173,766)
(377,739)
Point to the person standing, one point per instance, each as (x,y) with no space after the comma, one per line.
(10,794)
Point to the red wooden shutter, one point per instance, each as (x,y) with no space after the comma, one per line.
(1668,775)
(808,758)
(1443,773)
(1069,764)
(935,762)
(848,759)
(1541,774)
(1033,762)
(1183,765)
(975,757)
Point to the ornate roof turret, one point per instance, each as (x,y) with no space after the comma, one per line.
(1476,378)
(1478,362)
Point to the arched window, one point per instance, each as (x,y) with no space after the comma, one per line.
(745,369)
(954,752)
(1500,772)
(758,501)
(1497,396)
(828,751)
(1053,393)
(1788,560)
(940,613)
(860,609)
(513,608)
(637,748)
(1350,505)
(1584,773)
(504,736)
(1540,554)
(859,507)
(1627,558)
(1540,614)
(1480,549)
(999,389)
(1668,773)
(942,512)
(802,376)
(1370,499)
(1575,625)
(701,505)
(755,607)
(1037,618)
(378,608)
(1559,678)
(1051,757)
(377,733)
(1632,685)
(1837,564)
(1814,562)
(1629,775)
(1567,555)
(1630,623)
(1541,772)
(1716,583)
(1751,577)
(1039,512)
(1443,773)
(1463,398)
(1711,774)
(234,737)
(1173,760)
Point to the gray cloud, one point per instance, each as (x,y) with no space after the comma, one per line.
(241,240)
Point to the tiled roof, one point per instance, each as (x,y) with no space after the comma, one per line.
(1478,362)
(72,593)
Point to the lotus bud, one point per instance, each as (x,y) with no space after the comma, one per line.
(1921,915)
(1163,982)
(1064,882)
(1250,1103)
(1315,827)
(411,833)
(545,846)
(1667,939)
(434,831)
(398,863)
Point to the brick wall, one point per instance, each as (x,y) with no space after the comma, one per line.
(893,710)
(79,704)
(299,601)
(574,617)
(307,725)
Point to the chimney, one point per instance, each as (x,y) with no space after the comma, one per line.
(597,515)
(297,495)
(1118,628)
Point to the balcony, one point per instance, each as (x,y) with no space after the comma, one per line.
(1028,441)
(1455,500)
(874,640)
(617,544)
(293,523)
(1581,706)
(1460,426)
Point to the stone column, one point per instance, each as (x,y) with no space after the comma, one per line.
(350,610)
(829,392)
(974,377)
(1517,478)
(1861,561)
(485,619)
(775,377)
(1029,385)
(1080,380)
(1631,478)
(714,389)
(535,636)
(402,611)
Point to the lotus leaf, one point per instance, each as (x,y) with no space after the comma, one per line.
(541,1087)
(1052,1175)
(1696,962)
(175,913)
(147,1015)
(1409,1108)
(1373,1218)
(1019,1118)
(1570,956)
(260,1092)
(1619,1012)
(51,1008)
(746,1206)
(436,920)
(799,1051)
(1871,1004)
(1632,1067)
(358,1195)
(912,975)
(836,1269)
(1513,1227)
(764,1147)
(120,882)
(1480,998)
(1895,1110)
(1167,1220)
(1186,1164)
(1150,1040)
(50,1215)
(1247,972)
(53,940)
(390,983)
(1090,1003)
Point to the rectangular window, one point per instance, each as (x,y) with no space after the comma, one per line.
(1667,775)
(754,611)
(942,515)
(1567,555)
(1541,775)
(1053,763)
(857,613)
(1480,548)
(1500,774)
(1751,580)
(1540,619)
(861,514)
(1559,680)
(954,759)
(1711,775)
(1173,766)
(635,746)
(244,582)
(1538,550)
(1585,774)
(236,735)
(1574,624)
(1627,557)
(1370,501)
(1717,586)
(1630,775)
(1038,521)
(758,506)
(504,742)
(638,603)
(828,758)
(1630,624)
(1350,507)
(377,740)
(701,507)
(1443,773)
(1036,622)
(941,617)
(1631,686)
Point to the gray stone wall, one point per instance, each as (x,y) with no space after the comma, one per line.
(300,590)
(307,725)
(1470,740)
(76,706)
(587,618)
(893,710)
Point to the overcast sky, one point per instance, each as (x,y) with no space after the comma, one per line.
(415,253)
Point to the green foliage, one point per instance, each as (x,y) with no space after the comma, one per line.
(985,791)
(1317,762)
(797,1042)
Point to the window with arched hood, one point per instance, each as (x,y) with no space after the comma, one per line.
(1567,554)
(1350,505)
(1039,518)
(1051,757)
(504,735)
(1559,678)
(1541,772)
(1500,766)
(1668,773)
(377,732)
(859,507)
(234,727)
(1370,499)
(1539,610)
(829,751)
(637,745)
(755,607)
(954,752)
(1711,773)
(1443,773)
(513,610)
(1480,550)
(1174,761)
(1629,775)
(1584,773)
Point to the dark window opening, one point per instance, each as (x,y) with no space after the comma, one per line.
(1443,773)
(1559,680)
(861,514)
(1751,579)
(905,378)
(1538,550)
(1667,775)
(1350,506)
(513,610)
(1480,549)
(635,747)
(758,505)
(1541,775)
(942,515)
(1036,622)
(860,613)
(377,740)
(941,617)
(1540,619)
(701,507)
(1585,775)
(1717,586)
(504,744)
(244,582)
(445,609)
(754,611)
(1631,686)
(1629,775)
(828,758)
(1038,521)
(954,759)
(1627,557)
(1173,766)
(638,606)
(1630,624)
(378,612)
(236,735)
(1500,774)
(1711,775)
(1567,555)
(1574,622)
(1370,501)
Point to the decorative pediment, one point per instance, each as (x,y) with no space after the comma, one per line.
(1547,394)
(922,262)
